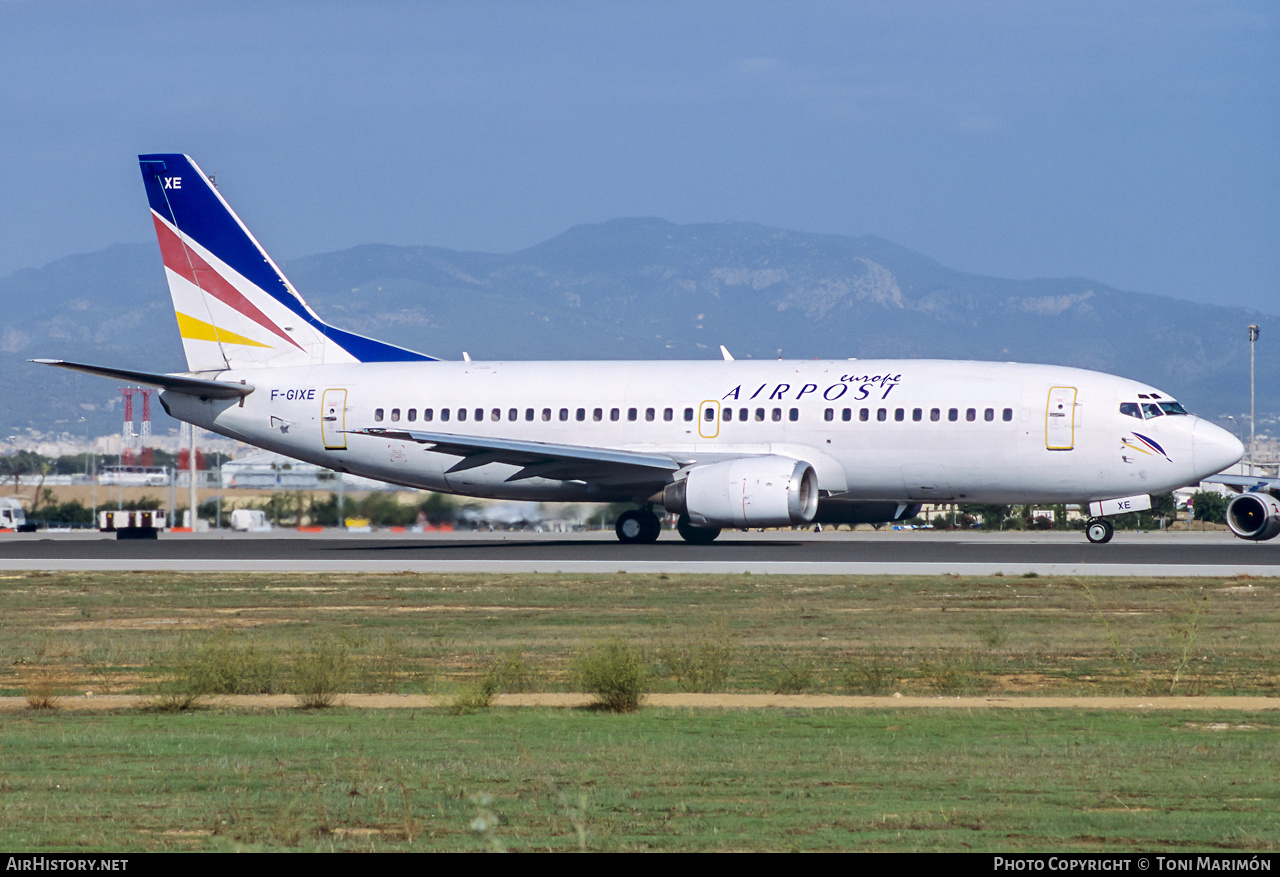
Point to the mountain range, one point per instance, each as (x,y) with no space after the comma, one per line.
(638,289)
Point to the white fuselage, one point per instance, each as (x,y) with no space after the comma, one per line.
(894,430)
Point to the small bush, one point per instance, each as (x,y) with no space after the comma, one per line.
(511,673)
(507,673)
(615,673)
(476,696)
(384,667)
(870,677)
(955,673)
(40,695)
(228,667)
(793,677)
(320,674)
(699,664)
(182,682)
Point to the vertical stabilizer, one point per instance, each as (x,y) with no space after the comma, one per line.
(235,308)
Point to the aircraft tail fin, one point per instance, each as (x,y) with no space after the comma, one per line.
(235,308)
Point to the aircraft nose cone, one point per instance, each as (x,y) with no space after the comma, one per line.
(1213,448)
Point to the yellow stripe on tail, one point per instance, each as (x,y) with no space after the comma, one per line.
(198,330)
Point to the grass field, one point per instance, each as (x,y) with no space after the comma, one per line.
(660,778)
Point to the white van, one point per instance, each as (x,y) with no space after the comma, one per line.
(12,517)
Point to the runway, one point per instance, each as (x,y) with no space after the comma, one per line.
(773,552)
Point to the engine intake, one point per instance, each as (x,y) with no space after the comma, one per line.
(767,491)
(1254,516)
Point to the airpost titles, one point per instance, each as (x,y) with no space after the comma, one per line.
(858,387)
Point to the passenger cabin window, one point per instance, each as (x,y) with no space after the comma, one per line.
(793,415)
(935,414)
(581,414)
(528,414)
(614,414)
(513,414)
(971,414)
(776,415)
(899,415)
(882,414)
(444,414)
(596,414)
(496,414)
(917,414)
(668,414)
(413,414)
(377,415)
(428,413)
(728,414)
(564,413)
(864,414)
(953,414)
(631,414)
(479,414)
(1008,414)
(759,415)
(989,414)
(546,413)
(709,414)
(829,414)
(395,415)
(648,414)
(688,414)
(462,414)
(846,414)
(744,413)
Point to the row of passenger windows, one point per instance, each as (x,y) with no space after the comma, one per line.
(668,414)
(429,414)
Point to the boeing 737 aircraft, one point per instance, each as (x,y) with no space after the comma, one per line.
(719,443)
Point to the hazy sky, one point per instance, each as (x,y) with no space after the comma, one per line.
(1134,143)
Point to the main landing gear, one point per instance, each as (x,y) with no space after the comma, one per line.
(642,527)
(1099,531)
(638,527)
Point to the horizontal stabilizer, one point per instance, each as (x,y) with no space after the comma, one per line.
(201,387)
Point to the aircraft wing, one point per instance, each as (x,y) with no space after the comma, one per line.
(541,459)
(177,383)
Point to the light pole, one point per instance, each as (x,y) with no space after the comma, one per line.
(1253,338)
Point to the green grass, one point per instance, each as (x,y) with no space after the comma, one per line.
(408,632)
(663,779)
(658,779)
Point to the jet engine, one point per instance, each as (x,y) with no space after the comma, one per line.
(767,491)
(1254,516)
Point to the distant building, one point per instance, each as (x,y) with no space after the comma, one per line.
(267,471)
(273,472)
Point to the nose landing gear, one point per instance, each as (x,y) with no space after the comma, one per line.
(1099,531)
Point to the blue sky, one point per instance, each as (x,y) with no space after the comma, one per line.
(1134,143)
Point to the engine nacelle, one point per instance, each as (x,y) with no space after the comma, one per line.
(752,492)
(1254,516)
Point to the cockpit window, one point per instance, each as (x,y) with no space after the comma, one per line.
(1172,408)
(1151,409)
(1131,408)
